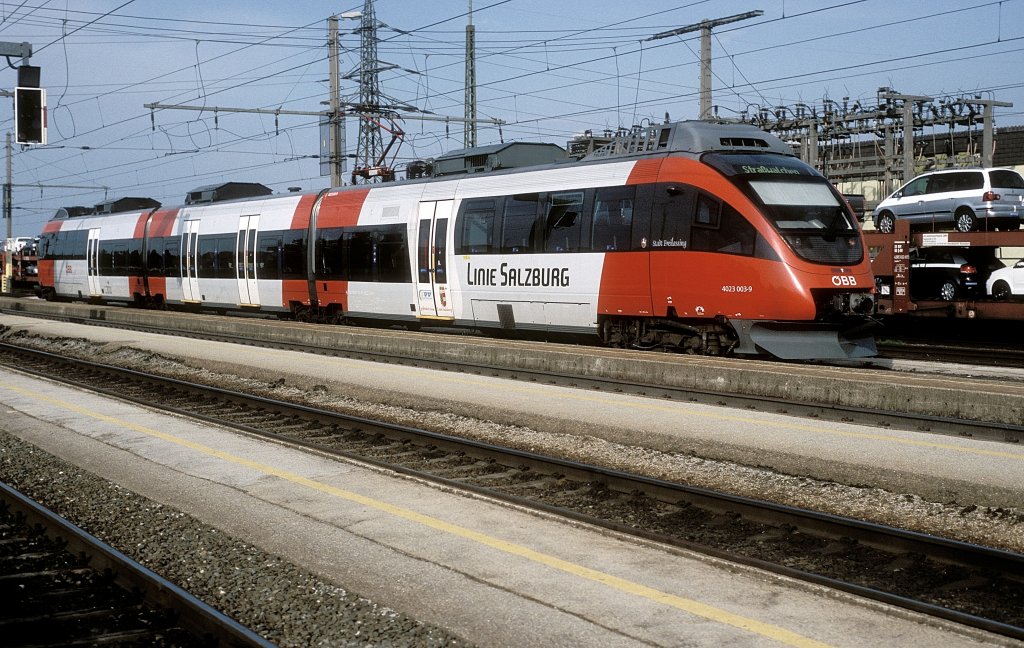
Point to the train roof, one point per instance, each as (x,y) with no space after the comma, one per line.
(226,191)
(692,137)
(509,155)
(695,136)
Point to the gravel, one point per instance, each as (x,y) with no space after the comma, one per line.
(286,604)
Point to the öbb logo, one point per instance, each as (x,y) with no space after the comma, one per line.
(844,280)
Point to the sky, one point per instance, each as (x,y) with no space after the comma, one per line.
(550,70)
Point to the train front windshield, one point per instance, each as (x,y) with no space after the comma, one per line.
(799,203)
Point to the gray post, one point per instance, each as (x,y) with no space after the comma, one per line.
(705,70)
(469,130)
(8,254)
(908,139)
(337,143)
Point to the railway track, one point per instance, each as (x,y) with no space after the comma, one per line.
(969,584)
(985,355)
(885,418)
(62,586)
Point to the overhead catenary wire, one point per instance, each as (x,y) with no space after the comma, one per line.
(443,95)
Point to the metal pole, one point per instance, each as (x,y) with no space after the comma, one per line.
(908,140)
(987,148)
(469,132)
(335,118)
(705,71)
(705,27)
(8,254)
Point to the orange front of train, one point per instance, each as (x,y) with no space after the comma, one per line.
(765,243)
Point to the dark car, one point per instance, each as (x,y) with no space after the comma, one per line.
(942,273)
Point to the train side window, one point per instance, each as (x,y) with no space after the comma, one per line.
(564,222)
(393,255)
(293,255)
(268,255)
(105,265)
(673,214)
(361,252)
(518,224)
(48,247)
(423,252)
(440,254)
(155,257)
(207,266)
(118,260)
(730,233)
(709,212)
(226,257)
(134,261)
(172,256)
(75,245)
(613,219)
(330,262)
(476,227)
(56,247)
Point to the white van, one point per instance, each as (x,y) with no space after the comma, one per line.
(967,199)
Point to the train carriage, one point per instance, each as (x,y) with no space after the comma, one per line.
(94,257)
(697,237)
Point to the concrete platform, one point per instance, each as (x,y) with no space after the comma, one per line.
(490,573)
(977,399)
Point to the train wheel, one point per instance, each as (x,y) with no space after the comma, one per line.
(886,223)
(1001,290)
(966,221)
(948,291)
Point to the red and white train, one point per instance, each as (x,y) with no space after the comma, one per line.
(695,236)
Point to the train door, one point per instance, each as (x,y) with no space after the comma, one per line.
(92,258)
(189,261)
(432,291)
(245,268)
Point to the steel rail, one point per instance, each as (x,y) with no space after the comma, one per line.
(943,425)
(193,614)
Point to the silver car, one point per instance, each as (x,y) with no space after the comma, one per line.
(967,199)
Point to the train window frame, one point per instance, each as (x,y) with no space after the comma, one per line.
(154,266)
(360,251)
(475,212)
(672,216)
(724,230)
(368,254)
(135,266)
(206,257)
(392,254)
(559,216)
(604,228)
(523,216)
(227,256)
(713,217)
(331,259)
(294,259)
(172,256)
(268,254)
